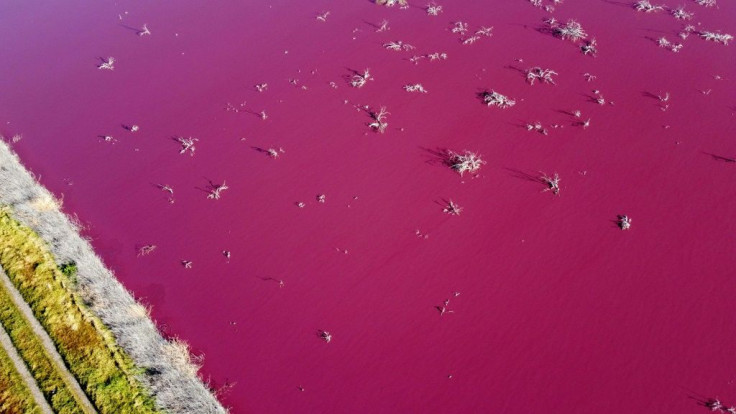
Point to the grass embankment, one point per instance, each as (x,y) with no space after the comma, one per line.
(29,346)
(15,397)
(107,375)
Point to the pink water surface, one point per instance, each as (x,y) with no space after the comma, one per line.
(559,311)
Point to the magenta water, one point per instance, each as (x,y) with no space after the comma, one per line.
(558,309)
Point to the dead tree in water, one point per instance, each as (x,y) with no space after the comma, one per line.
(553,183)
(686,31)
(108,64)
(187,144)
(537,126)
(144,31)
(167,189)
(146,250)
(417,87)
(452,209)
(443,309)
(359,79)
(323,17)
(379,123)
(215,190)
(433,9)
(590,47)
(383,27)
(437,56)
(324,335)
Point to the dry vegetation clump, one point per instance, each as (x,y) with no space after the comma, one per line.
(673,47)
(108,303)
(485,31)
(680,14)
(494,98)
(392,3)
(465,162)
(437,56)
(647,7)
(716,37)
(572,30)
(398,45)
(416,87)
(470,40)
(459,27)
(39,363)
(706,3)
(544,75)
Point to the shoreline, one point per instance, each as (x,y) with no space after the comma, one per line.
(168,370)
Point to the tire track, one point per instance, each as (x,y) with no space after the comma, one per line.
(20,366)
(47,343)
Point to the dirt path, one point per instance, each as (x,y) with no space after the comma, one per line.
(48,344)
(20,366)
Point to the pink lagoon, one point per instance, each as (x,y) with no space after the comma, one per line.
(526,302)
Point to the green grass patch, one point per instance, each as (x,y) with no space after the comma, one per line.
(15,396)
(104,371)
(39,363)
